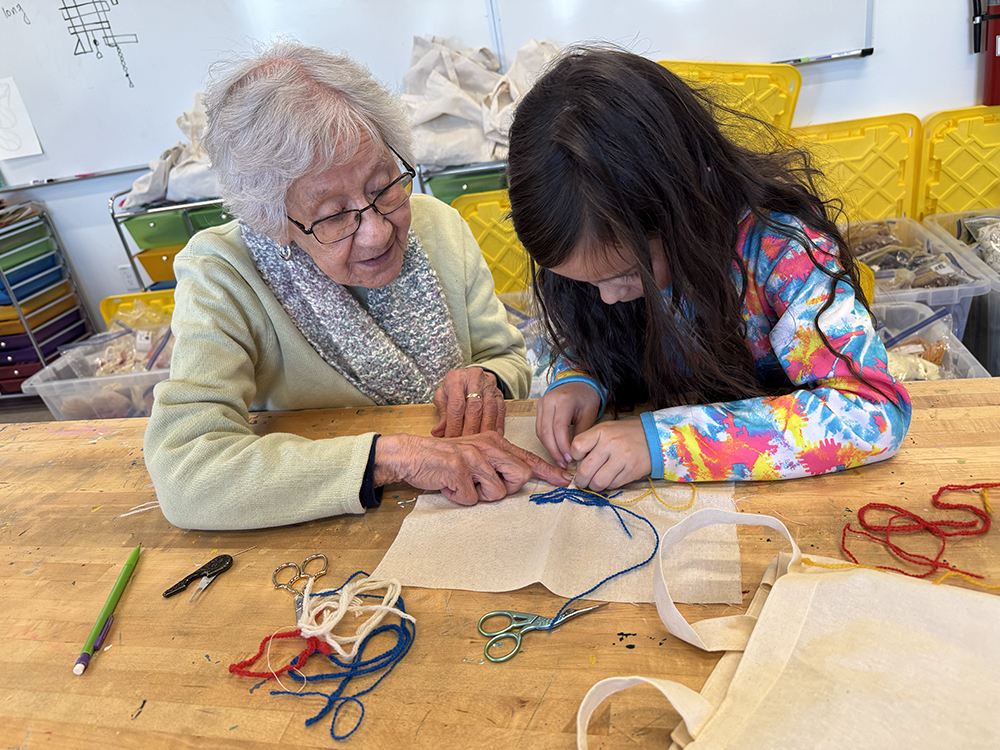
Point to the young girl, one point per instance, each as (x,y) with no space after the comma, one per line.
(675,265)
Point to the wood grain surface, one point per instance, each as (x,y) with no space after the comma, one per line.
(66,492)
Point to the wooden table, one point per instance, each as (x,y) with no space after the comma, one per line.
(66,489)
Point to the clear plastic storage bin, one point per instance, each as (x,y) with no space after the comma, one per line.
(957,299)
(984,328)
(901,316)
(105,397)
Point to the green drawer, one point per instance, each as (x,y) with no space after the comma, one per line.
(448,187)
(32,250)
(161,229)
(22,237)
(209,216)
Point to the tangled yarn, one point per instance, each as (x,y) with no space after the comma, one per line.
(317,624)
(907,522)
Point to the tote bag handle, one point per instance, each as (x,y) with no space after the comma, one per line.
(717,634)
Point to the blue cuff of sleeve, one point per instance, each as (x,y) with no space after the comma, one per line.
(653,441)
(581,379)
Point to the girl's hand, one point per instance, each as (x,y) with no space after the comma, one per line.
(469,402)
(466,470)
(611,454)
(565,409)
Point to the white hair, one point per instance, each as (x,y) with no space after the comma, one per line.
(289,109)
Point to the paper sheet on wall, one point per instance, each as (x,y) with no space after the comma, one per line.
(509,544)
(17,134)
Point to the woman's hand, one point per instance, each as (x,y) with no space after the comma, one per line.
(611,454)
(469,402)
(560,412)
(464,469)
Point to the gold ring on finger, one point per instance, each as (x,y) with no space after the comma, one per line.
(474,395)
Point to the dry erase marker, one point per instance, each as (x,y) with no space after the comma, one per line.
(100,629)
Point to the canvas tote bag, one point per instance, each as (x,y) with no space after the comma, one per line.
(847,658)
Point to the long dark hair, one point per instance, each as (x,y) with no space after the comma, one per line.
(613,149)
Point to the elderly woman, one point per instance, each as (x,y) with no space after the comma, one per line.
(335,288)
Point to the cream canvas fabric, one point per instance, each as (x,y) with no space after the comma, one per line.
(848,658)
(509,544)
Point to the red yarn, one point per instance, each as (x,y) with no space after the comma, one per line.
(941,529)
(312,646)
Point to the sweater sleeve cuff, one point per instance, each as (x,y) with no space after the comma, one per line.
(370,495)
(653,442)
(504,388)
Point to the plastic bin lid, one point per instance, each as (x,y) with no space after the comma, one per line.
(162,299)
(872,163)
(960,161)
(764,88)
(486,214)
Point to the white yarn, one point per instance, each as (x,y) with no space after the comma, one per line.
(322,614)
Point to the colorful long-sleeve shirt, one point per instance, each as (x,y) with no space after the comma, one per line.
(832,422)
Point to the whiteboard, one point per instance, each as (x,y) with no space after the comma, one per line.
(92,117)
(89,118)
(753,31)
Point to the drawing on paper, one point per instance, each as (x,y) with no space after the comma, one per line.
(88,22)
(9,139)
(17,134)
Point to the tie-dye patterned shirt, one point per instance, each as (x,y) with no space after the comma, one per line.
(834,422)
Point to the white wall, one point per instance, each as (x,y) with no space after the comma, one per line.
(923,63)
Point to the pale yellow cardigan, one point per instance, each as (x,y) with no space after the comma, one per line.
(237,351)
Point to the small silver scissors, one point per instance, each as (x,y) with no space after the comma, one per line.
(520,623)
(299,573)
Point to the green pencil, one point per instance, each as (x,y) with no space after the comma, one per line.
(100,629)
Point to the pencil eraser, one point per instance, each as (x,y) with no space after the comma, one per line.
(78,668)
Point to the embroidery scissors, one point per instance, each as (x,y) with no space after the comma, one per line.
(207,572)
(299,574)
(520,623)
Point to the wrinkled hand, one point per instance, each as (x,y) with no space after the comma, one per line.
(461,415)
(611,454)
(464,469)
(566,409)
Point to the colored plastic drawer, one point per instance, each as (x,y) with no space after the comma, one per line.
(27,252)
(449,187)
(12,376)
(162,229)
(210,216)
(35,231)
(24,272)
(12,386)
(10,372)
(28,354)
(159,263)
(21,340)
(14,327)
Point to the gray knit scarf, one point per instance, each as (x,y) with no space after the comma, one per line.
(396,352)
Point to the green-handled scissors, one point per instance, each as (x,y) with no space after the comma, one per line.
(520,623)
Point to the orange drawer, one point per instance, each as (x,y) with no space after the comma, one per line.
(159,263)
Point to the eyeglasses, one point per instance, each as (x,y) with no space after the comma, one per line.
(342,225)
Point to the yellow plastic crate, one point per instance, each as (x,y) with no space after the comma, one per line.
(767,90)
(162,299)
(487,216)
(871,163)
(960,161)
